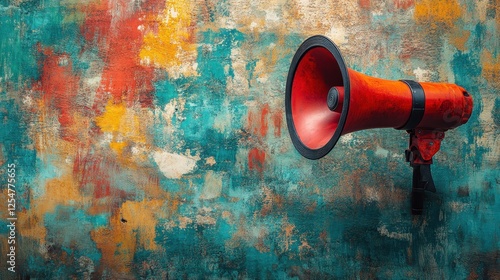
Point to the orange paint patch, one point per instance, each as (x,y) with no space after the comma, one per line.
(270,201)
(132,226)
(444,12)
(459,38)
(60,191)
(256,160)
(491,68)
(286,236)
(365,4)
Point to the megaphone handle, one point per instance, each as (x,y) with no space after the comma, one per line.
(423,146)
(417,192)
(422,181)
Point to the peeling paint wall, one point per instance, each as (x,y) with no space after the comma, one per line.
(149,141)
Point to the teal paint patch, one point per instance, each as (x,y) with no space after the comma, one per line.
(28,27)
(495,112)
(10,45)
(167,89)
(214,60)
(68,230)
(68,242)
(15,149)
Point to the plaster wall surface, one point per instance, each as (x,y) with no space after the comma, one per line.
(148,140)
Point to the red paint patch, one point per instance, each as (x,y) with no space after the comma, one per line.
(59,85)
(277,121)
(256,160)
(93,175)
(365,4)
(263,120)
(97,22)
(404,4)
(123,77)
(251,122)
(259,125)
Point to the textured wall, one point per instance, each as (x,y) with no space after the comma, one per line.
(149,140)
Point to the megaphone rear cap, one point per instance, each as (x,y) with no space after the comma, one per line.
(316,67)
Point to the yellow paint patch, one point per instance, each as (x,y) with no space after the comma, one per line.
(118,146)
(111,120)
(171,46)
(125,125)
(435,12)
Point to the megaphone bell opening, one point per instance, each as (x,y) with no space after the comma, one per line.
(316,110)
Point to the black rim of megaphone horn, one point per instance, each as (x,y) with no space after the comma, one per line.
(308,44)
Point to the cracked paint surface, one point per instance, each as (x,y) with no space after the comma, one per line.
(150,142)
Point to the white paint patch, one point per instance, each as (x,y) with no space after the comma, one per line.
(271,16)
(135,150)
(213,185)
(184,222)
(222,122)
(173,166)
(27,100)
(422,75)
(210,161)
(345,139)
(92,82)
(238,84)
(371,194)
(338,34)
(172,109)
(253,25)
(381,152)
(204,218)
(173,13)
(482,9)
(394,235)
(106,139)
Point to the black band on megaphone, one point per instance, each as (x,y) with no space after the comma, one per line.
(418,105)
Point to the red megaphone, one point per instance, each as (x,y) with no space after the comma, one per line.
(325,100)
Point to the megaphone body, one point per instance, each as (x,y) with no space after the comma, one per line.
(325,100)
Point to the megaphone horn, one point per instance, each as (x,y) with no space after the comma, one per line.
(325,100)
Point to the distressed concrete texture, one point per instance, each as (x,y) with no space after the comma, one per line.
(149,141)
